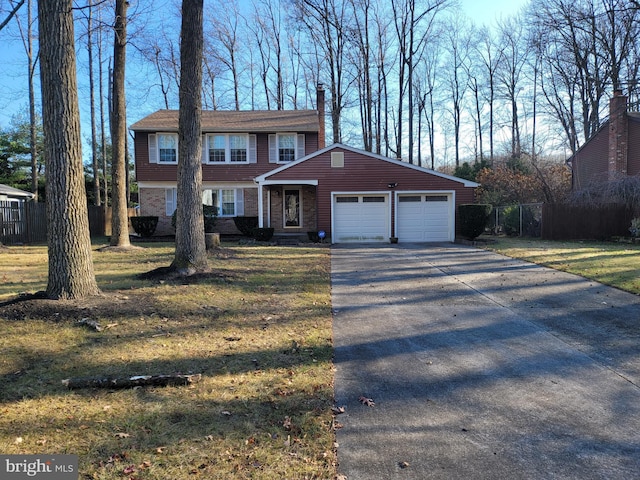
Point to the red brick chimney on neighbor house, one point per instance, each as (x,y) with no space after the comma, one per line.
(618,135)
(320,107)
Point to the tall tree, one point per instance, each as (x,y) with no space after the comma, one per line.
(71,273)
(27,39)
(457,76)
(191,254)
(327,24)
(413,28)
(119,170)
(224,34)
(92,107)
(515,58)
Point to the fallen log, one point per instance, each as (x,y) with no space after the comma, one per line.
(130,382)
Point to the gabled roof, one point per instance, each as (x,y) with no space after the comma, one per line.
(6,190)
(222,121)
(263,178)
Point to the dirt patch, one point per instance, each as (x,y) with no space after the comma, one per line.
(105,305)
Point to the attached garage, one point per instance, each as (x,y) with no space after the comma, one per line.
(361,218)
(425,217)
(362,197)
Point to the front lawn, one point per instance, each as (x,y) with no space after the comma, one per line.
(614,264)
(258,329)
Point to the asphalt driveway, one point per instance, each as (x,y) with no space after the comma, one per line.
(481,367)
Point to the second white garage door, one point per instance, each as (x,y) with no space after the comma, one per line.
(425,218)
(361,218)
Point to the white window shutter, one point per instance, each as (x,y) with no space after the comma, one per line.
(253,149)
(300,146)
(204,150)
(240,202)
(170,200)
(273,149)
(153,148)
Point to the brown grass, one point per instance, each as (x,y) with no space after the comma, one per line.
(258,329)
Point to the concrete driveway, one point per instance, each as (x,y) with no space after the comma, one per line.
(481,367)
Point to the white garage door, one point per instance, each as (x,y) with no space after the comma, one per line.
(361,218)
(425,218)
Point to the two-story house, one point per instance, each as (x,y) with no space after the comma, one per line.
(275,165)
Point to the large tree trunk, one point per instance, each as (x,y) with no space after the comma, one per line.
(191,254)
(70,262)
(119,219)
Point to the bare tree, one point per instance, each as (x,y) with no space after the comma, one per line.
(514,58)
(190,256)
(11,13)
(488,55)
(92,106)
(361,58)
(119,218)
(457,62)
(71,273)
(32,61)
(327,23)
(225,42)
(413,24)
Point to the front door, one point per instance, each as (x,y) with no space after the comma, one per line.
(292,208)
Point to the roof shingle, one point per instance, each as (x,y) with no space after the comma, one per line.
(250,121)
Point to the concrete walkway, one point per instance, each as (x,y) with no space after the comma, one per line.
(481,367)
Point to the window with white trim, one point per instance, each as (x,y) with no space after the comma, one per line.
(170,201)
(228,148)
(167,148)
(286,147)
(228,201)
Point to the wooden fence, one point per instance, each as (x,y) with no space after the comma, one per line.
(26,222)
(567,222)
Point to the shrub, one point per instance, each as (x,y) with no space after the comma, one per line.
(511,220)
(210,214)
(144,226)
(473,219)
(516,222)
(246,225)
(262,234)
(635,227)
(313,237)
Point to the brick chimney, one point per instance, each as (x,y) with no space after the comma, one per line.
(618,135)
(320,107)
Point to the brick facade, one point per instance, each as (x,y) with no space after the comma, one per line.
(153,203)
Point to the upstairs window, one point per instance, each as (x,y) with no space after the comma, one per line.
(225,148)
(238,148)
(217,148)
(163,148)
(167,148)
(286,147)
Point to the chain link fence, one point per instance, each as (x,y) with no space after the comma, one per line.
(524,220)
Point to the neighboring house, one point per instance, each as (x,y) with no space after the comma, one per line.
(613,151)
(274,165)
(12,217)
(10,194)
